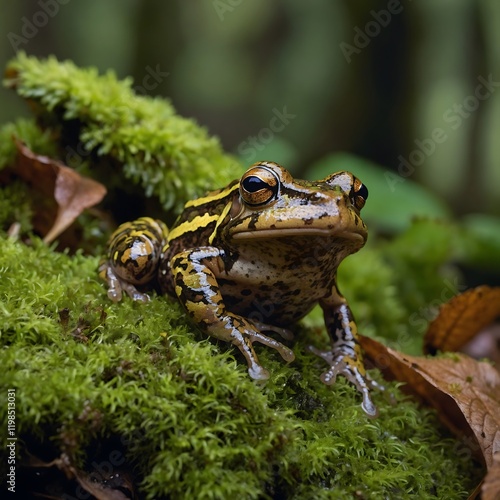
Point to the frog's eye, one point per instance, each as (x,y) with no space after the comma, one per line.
(359,194)
(259,185)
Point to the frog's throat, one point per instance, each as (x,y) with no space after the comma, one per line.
(297,232)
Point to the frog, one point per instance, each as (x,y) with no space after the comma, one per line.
(250,260)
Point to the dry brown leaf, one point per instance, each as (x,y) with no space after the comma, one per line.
(462,318)
(103,492)
(491,485)
(118,486)
(465,392)
(71,192)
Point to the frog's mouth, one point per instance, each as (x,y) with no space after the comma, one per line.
(301,232)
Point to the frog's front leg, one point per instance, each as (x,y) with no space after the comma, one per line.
(195,275)
(345,357)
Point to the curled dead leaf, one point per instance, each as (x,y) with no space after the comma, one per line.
(55,182)
(465,392)
(491,485)
(461,318)
(117,485)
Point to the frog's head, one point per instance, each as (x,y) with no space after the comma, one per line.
(272,204)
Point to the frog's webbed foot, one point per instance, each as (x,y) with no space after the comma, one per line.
(342,363)
(116,285)
(285,333)
(243,337)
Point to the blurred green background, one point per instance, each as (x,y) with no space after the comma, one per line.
(409,85)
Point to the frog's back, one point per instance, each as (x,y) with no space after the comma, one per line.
(196,226)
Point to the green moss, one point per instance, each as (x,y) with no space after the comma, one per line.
(169,156)
(15,207)
(187,416)
(30,134)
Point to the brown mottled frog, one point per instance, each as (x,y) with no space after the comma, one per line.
(255,257)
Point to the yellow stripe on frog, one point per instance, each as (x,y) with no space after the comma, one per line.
(196,224)
(212,197)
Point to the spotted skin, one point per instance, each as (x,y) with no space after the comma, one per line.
(134,251)
(255,257)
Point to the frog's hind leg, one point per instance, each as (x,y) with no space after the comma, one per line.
(194,273)
(134,253)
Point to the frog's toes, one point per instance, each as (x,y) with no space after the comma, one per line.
(368,406)
(286,353)
(285,333)
(115,294)
(133,293)
(244,341)
(258,372)
(118,286)
(342,364)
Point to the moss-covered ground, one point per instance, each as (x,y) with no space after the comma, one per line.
(134,385)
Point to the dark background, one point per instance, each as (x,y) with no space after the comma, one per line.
(376,79)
